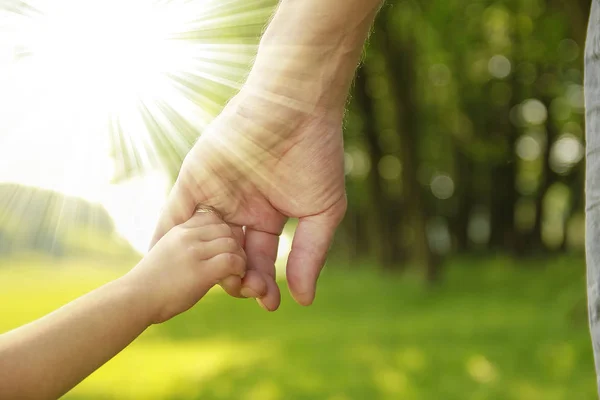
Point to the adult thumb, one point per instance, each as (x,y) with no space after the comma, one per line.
(312,240)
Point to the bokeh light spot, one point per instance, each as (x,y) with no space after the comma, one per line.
(528,148)
(389,167)
(481,369)
(499,66)
(534,112)
(361,165)
(565,153)
(439,75)
(442,186)
(479,228)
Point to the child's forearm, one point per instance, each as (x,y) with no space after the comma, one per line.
(48,357)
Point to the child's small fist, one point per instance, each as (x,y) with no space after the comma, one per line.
(189,260)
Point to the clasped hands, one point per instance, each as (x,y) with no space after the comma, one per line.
(258,164)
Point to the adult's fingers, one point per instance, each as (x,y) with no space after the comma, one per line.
(255,285)
(179,208)
(310,246)
(271,300)
(206,217)
(261,250)
(238,234)
(232,285)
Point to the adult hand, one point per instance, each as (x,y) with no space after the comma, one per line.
(259,163)
(276,150)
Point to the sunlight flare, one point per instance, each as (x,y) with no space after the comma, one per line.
(102,99)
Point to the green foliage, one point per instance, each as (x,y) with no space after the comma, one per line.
(484,94)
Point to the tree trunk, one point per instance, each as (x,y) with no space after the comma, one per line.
(399,58)
(465,192)
(503,200)
(389,240)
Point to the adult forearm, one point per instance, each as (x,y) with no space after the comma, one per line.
(311,49)
(46,358)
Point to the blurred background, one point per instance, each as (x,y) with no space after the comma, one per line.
(458,272)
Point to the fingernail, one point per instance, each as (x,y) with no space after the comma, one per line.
(248,293)
(260,303)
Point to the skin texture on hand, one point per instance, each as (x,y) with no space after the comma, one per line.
(276,151)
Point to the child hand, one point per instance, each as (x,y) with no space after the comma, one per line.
(189,260)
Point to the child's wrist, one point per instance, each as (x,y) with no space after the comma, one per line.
(137,298)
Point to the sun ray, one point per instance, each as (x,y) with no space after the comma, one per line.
(99,92)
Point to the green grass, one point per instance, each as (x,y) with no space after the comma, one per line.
(492,330)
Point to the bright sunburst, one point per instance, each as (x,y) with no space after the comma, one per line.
(102,90)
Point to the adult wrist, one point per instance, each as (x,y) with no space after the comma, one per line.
(301,78)
(311,49)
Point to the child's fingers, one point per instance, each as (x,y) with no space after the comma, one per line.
(218,246)
(211,232)
(219,238)
(215,227)
(232,285)
(225,265)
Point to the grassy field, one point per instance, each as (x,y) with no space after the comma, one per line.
(490,331)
